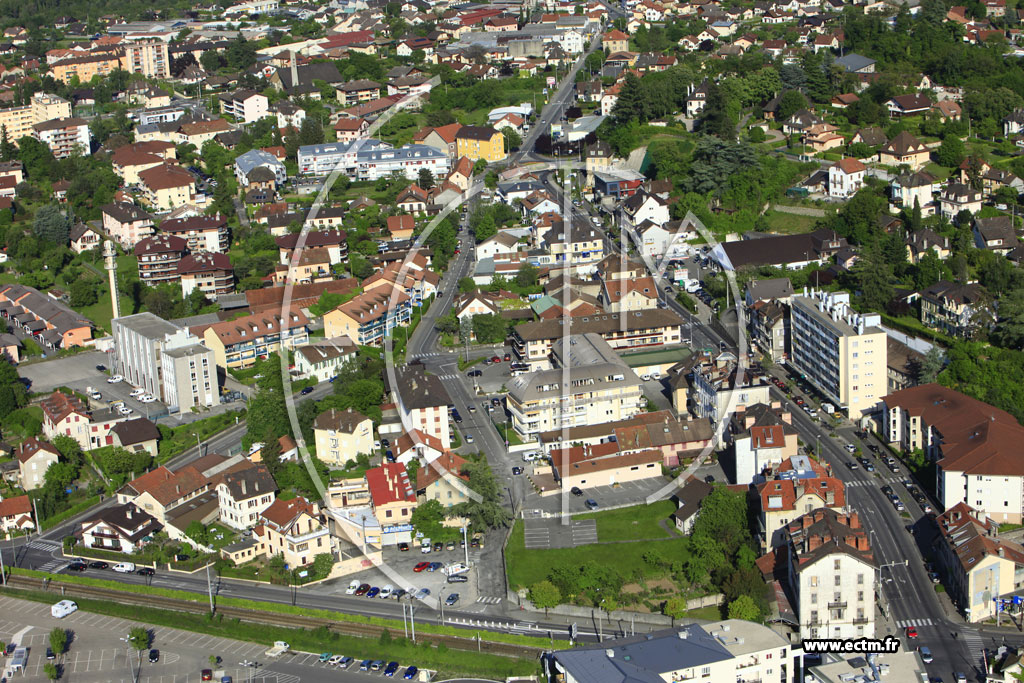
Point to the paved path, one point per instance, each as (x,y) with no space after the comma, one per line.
(799,210)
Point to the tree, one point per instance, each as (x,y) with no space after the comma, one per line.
(84,292)
(58,641)
(513,140)
(874,279)
(52,225)
(675,607)
(427,519)
(931,366)
(480,166)
(790,103)
(50,670)
(485,512)
(466,285)
(425,179)
(311,132)
(744,608)
(756,135)
(527,276)
(631,105)
(323,563)
(545,595)
(489,328)
(197,532)
(951,152)
(139,637)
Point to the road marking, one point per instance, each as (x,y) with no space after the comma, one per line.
(916,623)
(974,642)
(489,600)
(43,544)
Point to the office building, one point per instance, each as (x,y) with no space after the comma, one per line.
(839,351)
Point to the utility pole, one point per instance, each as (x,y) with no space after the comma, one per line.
(209,589)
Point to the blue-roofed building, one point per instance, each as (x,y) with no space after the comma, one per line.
(730,650)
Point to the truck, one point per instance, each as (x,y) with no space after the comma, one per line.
(828,408)
(280,647)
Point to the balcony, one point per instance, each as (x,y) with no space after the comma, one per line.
(860,620)
(837,605)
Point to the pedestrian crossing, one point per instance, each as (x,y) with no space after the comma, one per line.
(449,377)
(916,623)
(972,639)
(42,544)
(53,566)
(488,600)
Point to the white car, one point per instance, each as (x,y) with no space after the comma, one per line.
(135,393)
(335,660)
(124,567)
(146,398)
(114,379)
(352,587)
(646,378)
(125,410)
(386,591)
(96,396)
(469,438)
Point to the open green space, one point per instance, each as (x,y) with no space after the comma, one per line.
(632,523)
(789,223)
(527,567)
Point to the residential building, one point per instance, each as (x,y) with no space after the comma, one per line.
(189,373)
(83,238)
(127,224)
(391,494)
(119,529)
(167,186)
(238,343)
(480,142)
(995,234)
(602,465)
(323,359)
(246,106)
(408,160)
(64,137)
(904,150)
(532,342)
(48,321)
(160,490)
(67,415)
(370,317)
(34,458)
(16,514)
(785,251)
(846,177)
(211,274)
(443,479)
(797,486)
(158,257)
(718,388)
(840,352)
(136,435)
(147,57)
(688,503)
(770,329)
(955,309)
(258,158)
(320,160)
(341,435)
(924,241)
(243,495)
(914,189)
(602,388)
(294,529)
(635,294)
(957,197)
(201,233)
(980,567)
(832,573)
(84,68)
(730,650)
(422,401)
(332,240)
(973,443)
(762,437)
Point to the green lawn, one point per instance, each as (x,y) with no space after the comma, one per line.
(788,223)
(508,434)
(627,524)
(527,567)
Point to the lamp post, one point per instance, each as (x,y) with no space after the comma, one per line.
(440,604)
(251,666)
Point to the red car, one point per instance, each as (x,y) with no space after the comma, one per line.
(421,566)
(911,632)
(363,589)
(207,675)
(496,359)
(508,356)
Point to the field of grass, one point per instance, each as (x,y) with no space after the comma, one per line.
(788,223)
(527,567)
(627,524)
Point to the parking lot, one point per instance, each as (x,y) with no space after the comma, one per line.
(617,495)
(97,655)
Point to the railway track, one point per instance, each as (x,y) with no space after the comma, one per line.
(296,621)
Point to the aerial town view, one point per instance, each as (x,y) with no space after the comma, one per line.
(602,341)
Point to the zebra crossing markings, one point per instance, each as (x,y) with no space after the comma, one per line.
(52,565)
(973,640)
(44,545)
(488,600)
(916,623)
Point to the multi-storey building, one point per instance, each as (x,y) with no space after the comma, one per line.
(422,401)
(798,486)
(158,257)
(65,415)
(64,137)
(718,388)
(165,360)
(238,343)
(86,67)
(762,437)
(842,353)
(212,274)
(243,495)
(201,233)
(832,572)
(246,106)
(34,458)
(532,341)
(341,435)
(126,223)
(324,358)
(322,159)
(391,494)
(770,329)
(370,317)
(295,529)
(601,388)
(18,121)
(409,160)
(167,186)
(959,310)
(147,57)
(480,142)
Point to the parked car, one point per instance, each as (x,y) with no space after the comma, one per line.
(434,566)
(422,593)
(451,599)
(154,656)
(421,566)
(206,675)
(306,391)
(403,547)
(373,592)
(77,567)
(386,591)
(353,586)
(363,589)
(114,379)
(410,673)
(576,491)
(458,578)
(98,564)
(392,667)
(591,504)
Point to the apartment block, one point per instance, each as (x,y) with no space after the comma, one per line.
(480,142)
(246,106)
(201,233)
(147,57)
(64,137)
(842,353)
(600,388)
(422,401)
(341,435)
(126,223)
(797,486)
(238,343)
(369,317)
(158,257)
(43,107)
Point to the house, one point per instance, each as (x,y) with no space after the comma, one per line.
(67,415)
(137,435)
(83,238)
(120,529)
(688,500)
(243,494)
(349,129)
(34,458)
(1013,124)
(913,104)
(238,343)
(160,490)
(246,163)
(914,189)
(323,359)
(401,227)
(423,401)
(126,223)
(904,150)
(614,41)
(799,485)
(16,514)
(957,197)
(926,240)
(294,529)
(340,435)
(761,433)
(244,105)
(167,186)
(995,234)
(845,177)
(948,110)
(443,479)
(955,309)
(856,63)
(391,494)
(48,321)
(622,296)
(442,138)
(212,274)
(770,329)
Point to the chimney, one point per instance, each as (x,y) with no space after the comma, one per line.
(294,70)
(813,543)
(830,497)
(854,521)
(1001,551)
(862,543)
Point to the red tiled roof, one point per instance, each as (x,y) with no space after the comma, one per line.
(389,483)
(12,507)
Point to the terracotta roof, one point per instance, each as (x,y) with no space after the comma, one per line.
(822,532)
(59,405)
(204,263)
(389,483)
(346,421)
(282,513)
(615,290)
(782,494)
(12,507)
(446,133)
(31,447)
(160,244)
(449,464)
(255,326)
(373,304)
(165,176)
(850,165)
(167,487)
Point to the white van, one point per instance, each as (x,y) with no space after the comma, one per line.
(530,456)
(455,568)
(63,608)
(124,567)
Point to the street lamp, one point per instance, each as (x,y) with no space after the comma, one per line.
(251,666)
(440,603)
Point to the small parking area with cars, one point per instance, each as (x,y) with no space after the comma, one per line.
(618,495)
